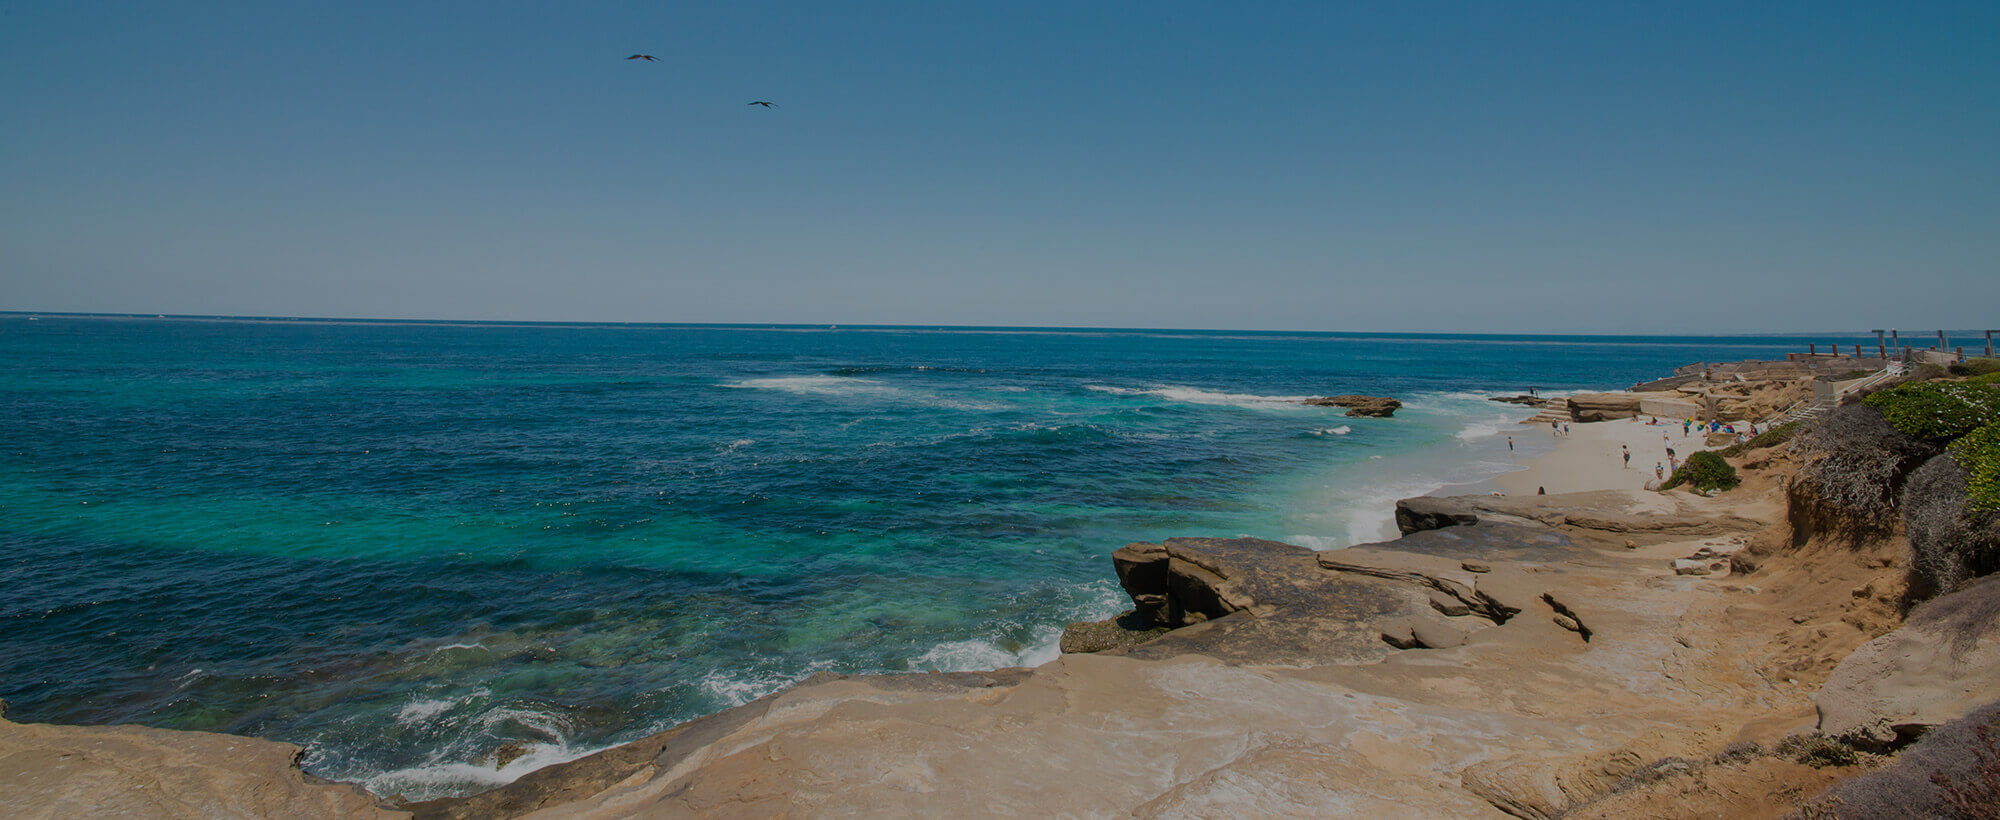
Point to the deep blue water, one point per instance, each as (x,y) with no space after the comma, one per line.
(406,545)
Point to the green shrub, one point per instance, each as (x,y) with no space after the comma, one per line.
(1704,471)
(1975,367)
(1990,378)
(1769,438)
(1937,411)
(1979,453)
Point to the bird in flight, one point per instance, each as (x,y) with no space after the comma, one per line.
(761,102)
(647,57)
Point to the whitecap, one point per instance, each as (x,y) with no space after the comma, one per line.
(1333,431)
(819,385)
(1196,395)
(420,710)
(854,388)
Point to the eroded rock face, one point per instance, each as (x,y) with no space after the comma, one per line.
(1244,600)
(136,771)
(1360,406)
(1943,662)
(1607,512)
(1610,406)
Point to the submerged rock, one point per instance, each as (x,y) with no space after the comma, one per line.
(1360,406)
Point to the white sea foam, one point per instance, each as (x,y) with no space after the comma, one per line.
(739,687)
(418,711)
(442,778)
(1196,395)
(1479,429)
(820,386)
(447,772)
(1333,431)
(857,388)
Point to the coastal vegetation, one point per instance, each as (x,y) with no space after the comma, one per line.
(1704,471)
(1937,411)
(1979,453)
(1975,367)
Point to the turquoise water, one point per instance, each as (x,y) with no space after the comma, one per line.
(405,546)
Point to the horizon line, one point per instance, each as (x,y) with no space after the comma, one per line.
(554,323)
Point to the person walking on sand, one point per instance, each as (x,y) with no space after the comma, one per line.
(1510,444)
(1565,428)
(1659,472)
(1628,455)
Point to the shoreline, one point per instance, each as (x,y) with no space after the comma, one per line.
(1589,457)
(1193,670)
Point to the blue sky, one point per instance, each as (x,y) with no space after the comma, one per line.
(1505,166)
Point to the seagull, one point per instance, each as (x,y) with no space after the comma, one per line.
(761,102)
(647,57)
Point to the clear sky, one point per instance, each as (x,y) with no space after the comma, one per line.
(1502,166)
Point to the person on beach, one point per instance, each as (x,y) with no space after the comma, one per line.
(1555,429)
(1628,455)
(1510,444)
(1686,424)
(1659,472)
(1565,428)
(1670,452)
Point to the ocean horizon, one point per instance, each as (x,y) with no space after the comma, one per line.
(418,547)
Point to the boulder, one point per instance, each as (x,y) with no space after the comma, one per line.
(1359,406)
(1431,513)
(1943,662)
(1691,566)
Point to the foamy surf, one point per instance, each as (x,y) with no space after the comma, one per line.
(444,779)
(1196,395)
(849,387)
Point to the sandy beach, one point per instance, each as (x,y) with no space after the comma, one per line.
(1589,457)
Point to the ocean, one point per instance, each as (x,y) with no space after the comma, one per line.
(410,546)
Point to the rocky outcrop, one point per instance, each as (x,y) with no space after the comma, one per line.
(1603,513)
(1359,406)
(1941,663)
(1244,600)
(1432,513)
(100,771)
(1611,406)
(1603,406)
